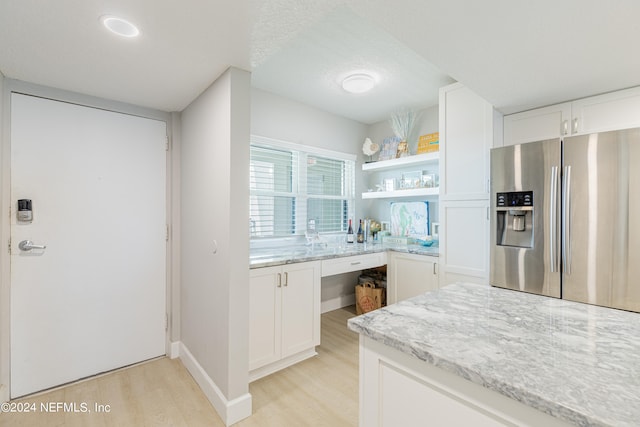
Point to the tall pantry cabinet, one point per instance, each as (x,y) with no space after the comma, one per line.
(466,136)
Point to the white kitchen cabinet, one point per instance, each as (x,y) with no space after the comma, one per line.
(537,125)
(284,316)
(466,137)
(610,111)
(397,389)
(394,168)
(409,275)
(465,223)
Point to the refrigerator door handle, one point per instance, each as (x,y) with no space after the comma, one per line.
(566,220)
(553,220)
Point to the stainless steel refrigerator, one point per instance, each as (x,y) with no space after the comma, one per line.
(565,220)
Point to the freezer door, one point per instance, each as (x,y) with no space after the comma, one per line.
(601,218)
(516,263)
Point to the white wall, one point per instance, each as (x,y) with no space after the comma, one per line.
(176,233)
(215,248)
(5,305)
(427,123)
(281,118)
(273,116)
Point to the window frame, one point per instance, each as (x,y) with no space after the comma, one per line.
(299,191)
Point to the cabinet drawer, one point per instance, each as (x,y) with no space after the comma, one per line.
(352,263)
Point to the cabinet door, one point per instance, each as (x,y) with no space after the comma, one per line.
(404,400)
(466,135)
(537,125)
(300,307)
(464,243)
(410,275)
(611,111)
(264,316)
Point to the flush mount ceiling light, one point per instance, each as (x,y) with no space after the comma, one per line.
(120,26)
(358,83)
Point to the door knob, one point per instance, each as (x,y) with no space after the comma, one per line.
(27,245)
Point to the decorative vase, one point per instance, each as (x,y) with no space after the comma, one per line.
(403,149)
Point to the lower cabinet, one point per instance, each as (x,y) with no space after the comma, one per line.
(464,252)
(284,316)
(409,275)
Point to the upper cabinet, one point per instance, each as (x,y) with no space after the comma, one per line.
(611,111)
(537,125)
(404,168)
(466,135)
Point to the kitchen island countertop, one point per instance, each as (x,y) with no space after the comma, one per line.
(577,362)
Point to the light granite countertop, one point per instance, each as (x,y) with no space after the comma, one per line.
(268,257)
(577,362)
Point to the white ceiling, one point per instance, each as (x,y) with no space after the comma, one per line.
(517,55)
(310,69)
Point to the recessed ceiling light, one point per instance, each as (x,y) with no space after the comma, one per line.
(120,26)
(358,83)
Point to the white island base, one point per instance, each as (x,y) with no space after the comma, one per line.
(399,390)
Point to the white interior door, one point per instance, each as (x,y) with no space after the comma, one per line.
(95,298)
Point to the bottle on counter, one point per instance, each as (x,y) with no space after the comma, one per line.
(350,233)
(360,235)
(367,230)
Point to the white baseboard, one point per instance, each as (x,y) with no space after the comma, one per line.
(336,303)
(231,411)
(174,349)
(269,369)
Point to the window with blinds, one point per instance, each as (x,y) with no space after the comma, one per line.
(289,187)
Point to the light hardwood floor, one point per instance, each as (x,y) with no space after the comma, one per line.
(321,391)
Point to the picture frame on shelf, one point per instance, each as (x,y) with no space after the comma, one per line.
(410,180)
(389,184)
(429,143)
(389,148)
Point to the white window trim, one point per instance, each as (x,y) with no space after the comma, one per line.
(276,143)
(286,145)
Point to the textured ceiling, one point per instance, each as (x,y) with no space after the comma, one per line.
(310,68)
(517,55)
